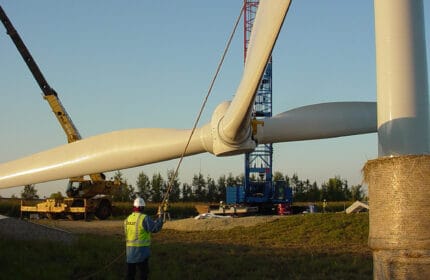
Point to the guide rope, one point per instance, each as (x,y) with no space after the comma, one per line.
(103,268)
(175,174)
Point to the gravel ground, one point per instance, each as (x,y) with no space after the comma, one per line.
(107,227)
(115,227)
(65,230)
(23,230)
(224,223)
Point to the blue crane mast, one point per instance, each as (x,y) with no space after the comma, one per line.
(258,164)
(259,188)
(258,192)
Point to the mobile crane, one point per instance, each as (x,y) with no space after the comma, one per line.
(85,196)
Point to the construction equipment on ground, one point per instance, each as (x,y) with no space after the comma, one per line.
(85,196)
(257,197)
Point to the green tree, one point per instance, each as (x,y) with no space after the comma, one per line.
(175,191)
(29,192)
(278,176)
(199,185)
(143,186)
(157,185)
(298,188)
(335,189)
(313,192)
(231,181)
(357,193)
(123,192)
(212,194)
(57,195)
(187,192)
(306,188)
(221,188)
(287,179)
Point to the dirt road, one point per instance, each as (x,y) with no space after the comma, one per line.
(114,227)
(107,227)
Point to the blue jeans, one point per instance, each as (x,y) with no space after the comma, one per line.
(143,268)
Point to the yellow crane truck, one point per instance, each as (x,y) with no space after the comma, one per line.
(85,196)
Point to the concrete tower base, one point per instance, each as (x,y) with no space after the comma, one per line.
(399,218)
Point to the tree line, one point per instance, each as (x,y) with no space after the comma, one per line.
(208,189)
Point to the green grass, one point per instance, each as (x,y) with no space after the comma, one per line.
(10,207)
(178,210)
(51,260)
(317,246)
(332,206)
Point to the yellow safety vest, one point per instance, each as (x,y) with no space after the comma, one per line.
(166,207)
(135,234)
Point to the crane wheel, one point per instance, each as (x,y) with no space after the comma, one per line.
(75,216)
(53,216)
(104,210)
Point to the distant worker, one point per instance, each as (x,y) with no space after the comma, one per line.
(324,205)
(138,228)
(166,213)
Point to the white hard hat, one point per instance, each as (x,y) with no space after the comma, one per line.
(139,202)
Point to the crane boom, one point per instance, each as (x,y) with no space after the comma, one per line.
(49,93)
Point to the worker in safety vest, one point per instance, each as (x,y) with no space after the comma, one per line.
(138,228)
(324,205)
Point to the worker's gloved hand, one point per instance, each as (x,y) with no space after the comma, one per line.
(160,211)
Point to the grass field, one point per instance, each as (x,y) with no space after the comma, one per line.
(313,246)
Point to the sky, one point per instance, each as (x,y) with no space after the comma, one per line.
(149,64)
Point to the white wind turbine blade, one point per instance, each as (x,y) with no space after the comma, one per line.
(235,126)
(227,133)
(319,121)
(106,152)
(130,148)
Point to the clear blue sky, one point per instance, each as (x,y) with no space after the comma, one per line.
(149,64)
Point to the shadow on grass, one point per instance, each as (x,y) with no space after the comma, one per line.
(303,247)
(47,260)
(229,261)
